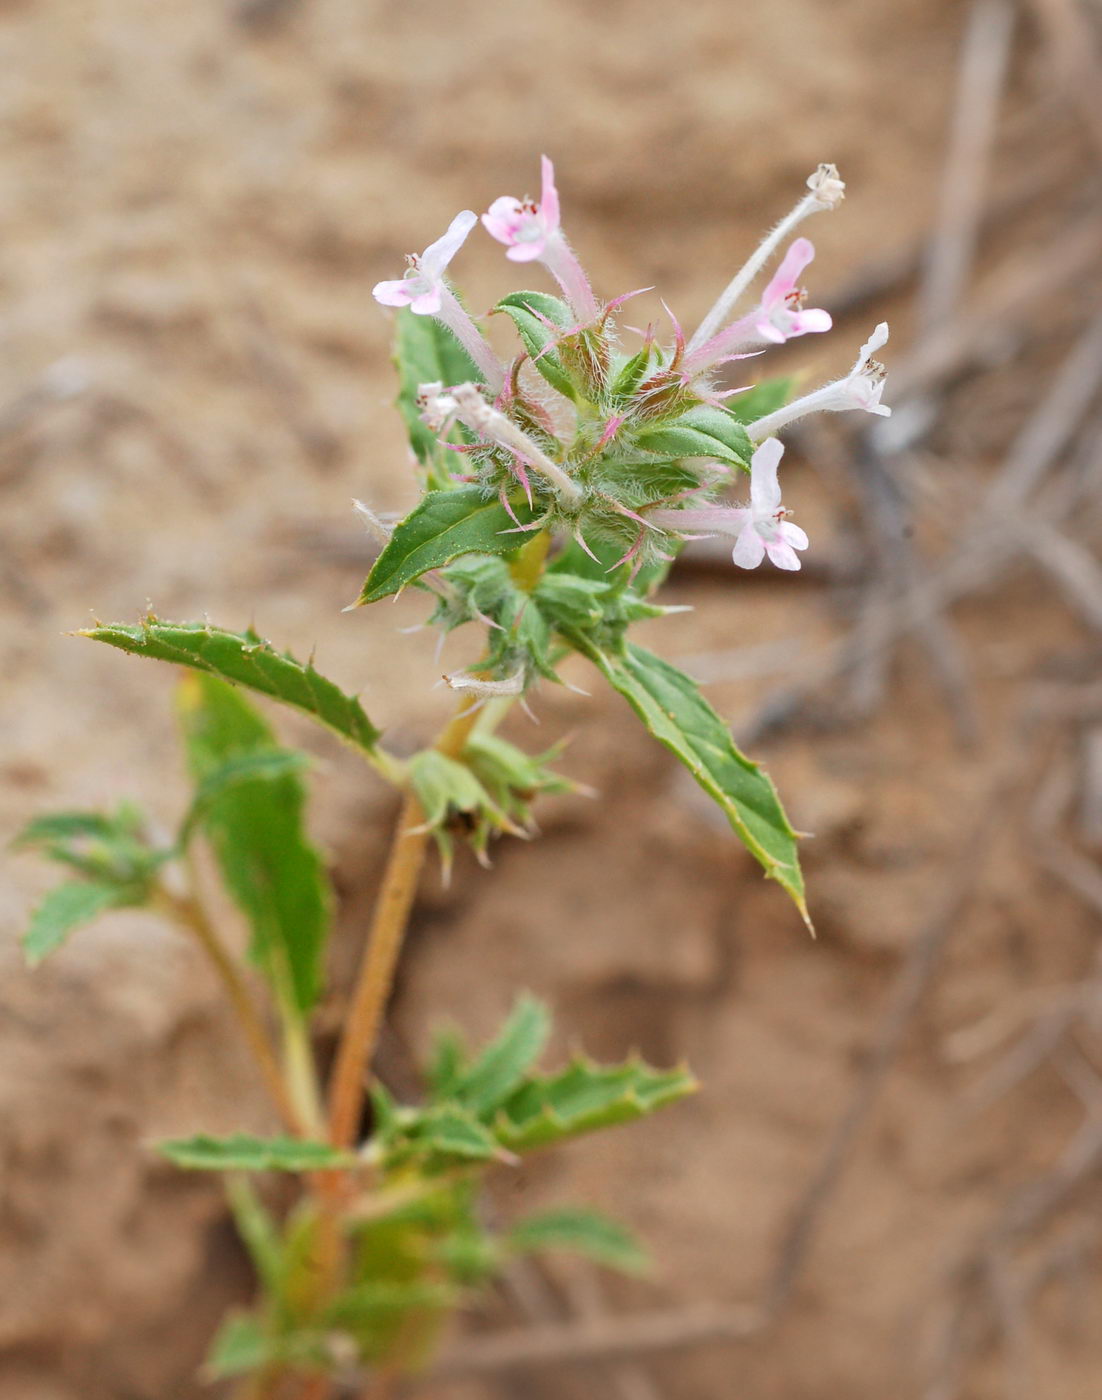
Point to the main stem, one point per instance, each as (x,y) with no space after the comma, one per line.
(384,943)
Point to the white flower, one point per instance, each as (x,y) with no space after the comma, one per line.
(759,529)
(861,388)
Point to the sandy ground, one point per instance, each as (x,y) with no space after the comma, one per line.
(193,383)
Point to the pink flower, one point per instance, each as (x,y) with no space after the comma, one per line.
(759,529)
(422,287)
(778,317)
(522,225)
(781,316)
(531,232)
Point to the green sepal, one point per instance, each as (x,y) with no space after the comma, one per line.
(629,376)
(579,1231)
(511,777)
(440,528)
(525,310)
(453,800)
(241,1152)
(246,659)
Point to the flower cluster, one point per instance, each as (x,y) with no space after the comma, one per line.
(629,452)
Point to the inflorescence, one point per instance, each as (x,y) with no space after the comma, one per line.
(633,449)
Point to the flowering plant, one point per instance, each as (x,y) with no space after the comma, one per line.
(556,490)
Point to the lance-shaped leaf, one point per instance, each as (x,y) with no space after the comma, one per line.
(66,908)
(702,432)
(441,527)
(671,706)
(442,1136)
(582,1098)
(259,765)
(256,829)
(761,399)
(246,659)
(579,1231)
(541,321)
(507,1059)
(242,1153)
(426,352)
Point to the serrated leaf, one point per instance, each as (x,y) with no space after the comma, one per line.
(449,1055)
(671,706)
(263,765)
(441,527)
(507,1059)
(449,1131)
(426,352)
(762,399)
(256,828)
(530,312)
(241,1152)
(580,1231)
(65,908)
(246,659)
(702,432)
(583,1098)
(70,826)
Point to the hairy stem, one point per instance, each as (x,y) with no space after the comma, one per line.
(384,943)
(190,913)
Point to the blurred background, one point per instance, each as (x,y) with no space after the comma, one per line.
(891,1182)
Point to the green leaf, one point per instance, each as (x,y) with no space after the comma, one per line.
(530,312)
(368,1304)
(581,1231)
(762,399)
(256,828)
(258,1232)
(671,706)
(71,826)
(426,352)
(246,659)
(507,1059)
(583,1098)
(263,765)
(106,848)
(441,527)
(242,1153)
(702,432)
(65,909)
(448,1131)
(241,1345)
